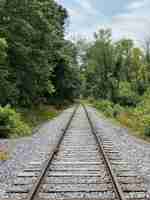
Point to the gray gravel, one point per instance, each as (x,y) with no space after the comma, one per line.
(133,150)
(24,150)
(78,147)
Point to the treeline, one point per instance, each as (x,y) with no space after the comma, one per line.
(117,71)
(37,65)
(116,75)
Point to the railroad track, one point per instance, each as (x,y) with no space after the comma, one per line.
(81,166)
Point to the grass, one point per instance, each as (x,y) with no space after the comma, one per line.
(116,122)
(133,124)
(38,114)
(20,122)
(125,117)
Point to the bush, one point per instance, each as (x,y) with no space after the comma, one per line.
(108,108)
(147,131)
(38,114)
(137,118)
(117,110)
(145,123)
(103,105)
(109,112)
(91,100)
(126,95)
(11,124)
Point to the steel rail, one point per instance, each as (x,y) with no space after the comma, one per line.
(116,185)
(34,190)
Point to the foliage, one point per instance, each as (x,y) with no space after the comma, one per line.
(108,108)
(36,62)
(126,95)
(137,118)
(11,123)
(147,131)
(66,79)
(22,121)
(117,110)
(117,76)
(116,71)
(98,67)
(103,105)
(38,114)
(7,89)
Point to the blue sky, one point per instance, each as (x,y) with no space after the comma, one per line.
(126,18)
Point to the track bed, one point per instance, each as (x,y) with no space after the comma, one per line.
(81,166)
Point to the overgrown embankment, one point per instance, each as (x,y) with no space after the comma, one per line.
(21,121)
(136,118)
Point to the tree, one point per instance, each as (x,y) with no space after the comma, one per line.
(99,66)
(116,71)
(7,90)
(66,76)
(147,50)
(34,31)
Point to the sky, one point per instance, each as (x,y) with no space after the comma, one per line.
(126,18)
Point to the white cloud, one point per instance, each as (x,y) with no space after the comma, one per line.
(85,18)
(137,4)
(134,23)
(87,6)
(73,12)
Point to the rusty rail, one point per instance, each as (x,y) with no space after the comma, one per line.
(34,191)
(116,185)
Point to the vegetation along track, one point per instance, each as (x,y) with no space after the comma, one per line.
(81,166)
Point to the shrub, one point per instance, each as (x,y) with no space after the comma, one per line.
(38,114)
(103,105)
(145,124)
(11,123)
(108,108)
(117,110)
(91,100)
(137,118)
(147,131)
(126,95)
(109,112)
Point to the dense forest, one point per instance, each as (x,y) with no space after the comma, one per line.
(38,66)
(36,60)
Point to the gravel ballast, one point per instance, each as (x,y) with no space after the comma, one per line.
(132,150)
(27,149)
(22,151)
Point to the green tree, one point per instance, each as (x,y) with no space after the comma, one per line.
(115,70)
(7,90)
(100,65)
(34,31)
(66,76)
